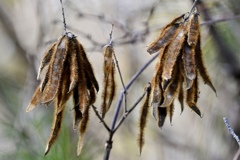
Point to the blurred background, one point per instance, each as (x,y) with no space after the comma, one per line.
(28,27)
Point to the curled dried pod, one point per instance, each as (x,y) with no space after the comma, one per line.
(188,58)
(193,29)
(172,54)
(143,119)
(201,66)
(166,36)
(192,97)
(55,70)
(109,84)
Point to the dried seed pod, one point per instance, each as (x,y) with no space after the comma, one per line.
(69,72)
(193,29)
(188,57)
(45,80)
(161,116)
(171,91)
(143,120)
(63,93)
(88,68)
(46,58)
(201,67)
(109,84)
(74,70)
(60,104)
(167,35)
(57,122)
(82,130)
(181,95)
(170,110)
(192,96)
(85,78)
(36,98)
(157,92)
(77,112)
(172,53)
(56,69)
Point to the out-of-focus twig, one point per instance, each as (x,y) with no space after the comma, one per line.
(210,22)
(231,130)
(234,136)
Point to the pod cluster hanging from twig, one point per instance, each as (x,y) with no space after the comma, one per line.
(176,74)
(68,73)
(109,84)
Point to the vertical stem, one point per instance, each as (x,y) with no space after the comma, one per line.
(64,20)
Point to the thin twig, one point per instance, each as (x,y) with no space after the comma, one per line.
(193,6)
(151,12)
(131,109)
(118,68)
(64,19)
(234,136)
(220,20)
(121,78)
(101,120)
(231,130)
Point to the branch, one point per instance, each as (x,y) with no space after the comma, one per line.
(132,108)
(234,136)
(101,120)
(64,19)
(231,130)
(210,22)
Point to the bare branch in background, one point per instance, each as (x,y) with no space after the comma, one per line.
(234,136)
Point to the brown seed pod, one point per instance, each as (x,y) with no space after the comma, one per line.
(192,96)
(109,84)
(143,120)
(56,69)
(69,73)
(82,129)
(77,109)
(157,92)
(188,57)
(161,116)
(193,29)
(88,68)
(46,58)
(57,122)
(36,99)
(201,67)
(172,90)
(73,60)
(170,110)
(45,80)
(181,94)
(172,53)
(167,35)
(60,104)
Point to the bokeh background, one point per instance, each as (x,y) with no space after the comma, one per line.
(27,27)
